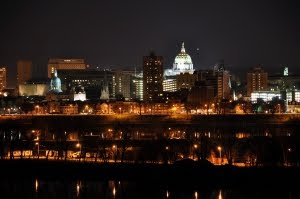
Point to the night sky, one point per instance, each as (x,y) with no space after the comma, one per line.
(118,33)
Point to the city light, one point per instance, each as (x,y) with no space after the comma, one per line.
(100,98)
(114,192)
(220,150)
(36,184)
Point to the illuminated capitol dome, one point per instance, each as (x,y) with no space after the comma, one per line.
(182,64)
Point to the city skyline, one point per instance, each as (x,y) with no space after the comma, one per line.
(149,99)
(106,35)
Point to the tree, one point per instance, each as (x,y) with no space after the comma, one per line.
(27,107)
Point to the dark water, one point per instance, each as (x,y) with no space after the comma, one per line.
(119,189)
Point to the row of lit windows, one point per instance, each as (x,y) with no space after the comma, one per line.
(265,96)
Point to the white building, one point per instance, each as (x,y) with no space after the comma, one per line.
(138,87)
(182,64)
(266,96)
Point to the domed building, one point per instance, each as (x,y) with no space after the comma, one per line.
(182,69)
(182,64)
(55,85)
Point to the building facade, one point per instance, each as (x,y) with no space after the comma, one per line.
(169,84)
(153,77)
(93,81)
(284,80)
(185,81)
(223,84)
(33,89)
(138,87)
(124,87)
(265,96)
(219,78)
(24,71)
(257,80)
(65,64)
(202,93)
(2,78)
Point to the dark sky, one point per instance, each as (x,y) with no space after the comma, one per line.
(118,33)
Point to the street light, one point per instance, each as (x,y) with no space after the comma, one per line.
(220,150)
(289,150)
(38,147)
(120,109)
(206,107)
(195,149)
(78,145)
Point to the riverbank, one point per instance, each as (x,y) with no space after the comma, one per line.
(173,175)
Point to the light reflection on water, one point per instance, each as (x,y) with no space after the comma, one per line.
(36,185)
(45,189)
(78,188)
(220,195)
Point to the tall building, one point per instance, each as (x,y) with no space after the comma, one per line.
(65,64)
(2,78)
(219,78)
(223,84)
(153,77)
(123,79)
(138,87)
(257,80)
(24,71)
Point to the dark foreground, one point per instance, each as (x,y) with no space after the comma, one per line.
(42,179)
(203,175)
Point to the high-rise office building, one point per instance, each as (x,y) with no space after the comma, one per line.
(153,77)
(219,78)
(65,64)
(223,84)
(24,71)
(123,79)
(257,80)
(138,88)
(2,78)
